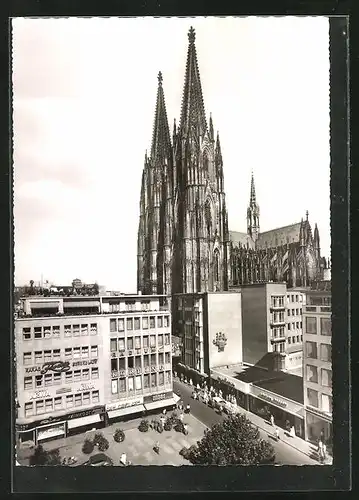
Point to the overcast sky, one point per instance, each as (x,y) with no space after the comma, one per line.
(84,98)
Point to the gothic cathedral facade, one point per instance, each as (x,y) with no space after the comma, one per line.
(184,245)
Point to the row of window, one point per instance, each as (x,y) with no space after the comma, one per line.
(325,399)
(311,349)
(48,332)
(294,312)
(118,324)
(311,325)
(39,357)
(297,325)
(119,344)
(294,339)
(59,403)
(49,379)
(294,298)
(279,347)
(278,331)
(136,383)
(278,317)
(277,301)
(326,376)
(136,362)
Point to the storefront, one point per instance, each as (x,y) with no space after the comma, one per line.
(162,400)
(50,431)
(85,420)
(239,389)
(286,413)
(125,409)
(318,424)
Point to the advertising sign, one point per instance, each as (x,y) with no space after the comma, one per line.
(158,397)
(53,366)
(124,404)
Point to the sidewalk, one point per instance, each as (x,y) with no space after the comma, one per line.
(308,449)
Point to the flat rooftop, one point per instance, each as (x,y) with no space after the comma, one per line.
(281,383)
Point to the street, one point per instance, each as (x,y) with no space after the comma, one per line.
(285,454)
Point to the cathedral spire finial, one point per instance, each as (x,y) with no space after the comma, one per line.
(253,190)
(161,142)
(160,78)
(191,35)
(306,215)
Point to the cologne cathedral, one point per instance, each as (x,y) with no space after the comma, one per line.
(184,245)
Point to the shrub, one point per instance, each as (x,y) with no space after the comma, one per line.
(87,447)
(98,438)
(179,426)
(184,452)
(103,445)
(119,436)
(143,427)
(168,425)
(43,457)
(159,427)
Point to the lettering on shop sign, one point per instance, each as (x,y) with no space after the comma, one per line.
(85,363)
(54,366)
(275,401)
(127,404)
(85,387)
(220,341)
(40,394)
(85,413)
(160,397)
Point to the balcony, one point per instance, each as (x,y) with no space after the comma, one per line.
(277,321)
(277,307)
(278,338)
(318,309)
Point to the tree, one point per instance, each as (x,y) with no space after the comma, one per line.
(234,441)
(43,457)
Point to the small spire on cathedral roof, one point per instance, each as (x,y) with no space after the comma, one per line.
(211,131)
(160,78)
(253,190)
(191,35)
(307,214)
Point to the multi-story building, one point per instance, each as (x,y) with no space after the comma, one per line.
(318,363)
(83,361)
(209,326)
(272,323)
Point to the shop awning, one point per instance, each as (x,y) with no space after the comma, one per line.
(85,303)
(80,422)
(161,404)
(44,305)
(125,411)
(51,432)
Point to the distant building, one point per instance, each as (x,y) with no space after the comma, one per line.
(209,326)
(82,362)
(318,363)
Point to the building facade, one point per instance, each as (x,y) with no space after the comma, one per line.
(295,301)
(82,362)
(318,363)
(184,245)
(209,326)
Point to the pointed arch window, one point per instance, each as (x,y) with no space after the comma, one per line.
(216,265)
(205,163)
(208,216)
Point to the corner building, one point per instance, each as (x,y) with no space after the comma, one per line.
(82,362)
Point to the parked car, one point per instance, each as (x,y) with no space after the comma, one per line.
(99,460)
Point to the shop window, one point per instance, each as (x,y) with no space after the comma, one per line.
(86,399)
(68,377)
(56,354)
(159,321)
(129,324)
(327,403)
(129,343)
(85,351)
(153,340)
(138,382)
(86,374)
(39,380)
(121,325)
(311,325)
(130,384)
(94,351)
(94,372)
(70,401)
(38,332)
(113,345)
(49,405)
(326,378)
(93,329)
(76,352)
(146,381)
(114,386)
(326,352)
(145,323)
(57,378)
(38,357)
(77,375)
(137,342)
(113,325)
(84,330)
(28,383)
(68,353)
(312,396)
(137,324)
(58,403)
(122,364)
(78,400)
(168,358)
(48,379)
(40,406)
(67,330)
(47,356)
(76,330)
(29,409)
(121,344)
(312,374)
(311,350)
(26,333)
(325,326)
(122,385)
(161,378)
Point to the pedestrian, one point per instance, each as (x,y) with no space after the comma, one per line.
(181,417)
(292,431)
(164,412)
(276,430)
(123,459)
(272,419)
(188,408)
(185,429)
(320,448)
(157,447)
